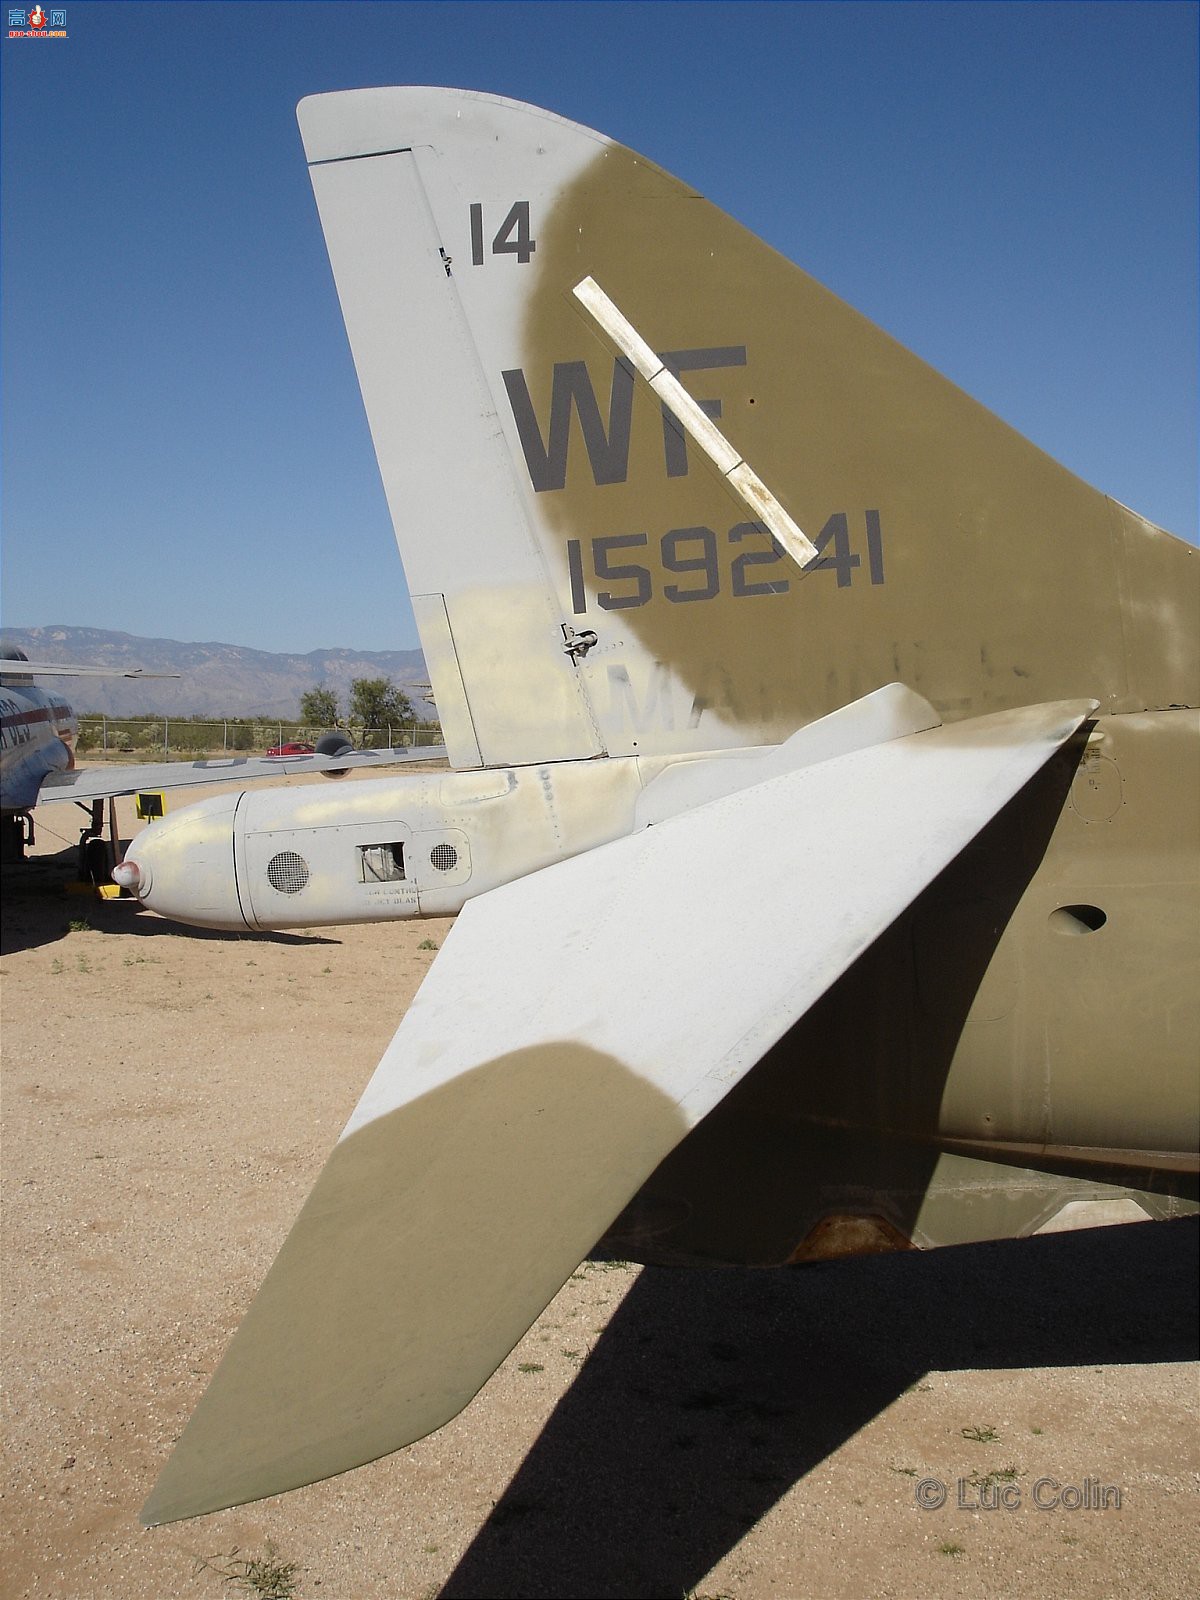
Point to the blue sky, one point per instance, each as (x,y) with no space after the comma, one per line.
(1010,189)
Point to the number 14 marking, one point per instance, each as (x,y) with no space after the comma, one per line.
(512,239)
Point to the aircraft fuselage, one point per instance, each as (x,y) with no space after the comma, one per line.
(37,738)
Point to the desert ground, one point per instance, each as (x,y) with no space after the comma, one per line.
(169,1096)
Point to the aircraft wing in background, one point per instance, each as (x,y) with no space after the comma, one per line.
(97,783)
(18,667)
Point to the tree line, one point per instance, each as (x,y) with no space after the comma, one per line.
(374,703)
(375,707)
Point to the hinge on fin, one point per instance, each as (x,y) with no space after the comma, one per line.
(446,260)
(575,644)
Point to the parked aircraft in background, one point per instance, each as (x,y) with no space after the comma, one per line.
(37,748)
(824,819)
(37,760)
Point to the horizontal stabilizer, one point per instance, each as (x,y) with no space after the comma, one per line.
(576,1024)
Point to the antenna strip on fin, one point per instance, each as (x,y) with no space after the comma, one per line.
(740,476)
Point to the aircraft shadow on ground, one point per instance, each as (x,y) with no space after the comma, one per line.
(37,910)
(711,1393)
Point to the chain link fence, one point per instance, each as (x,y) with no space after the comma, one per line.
(184,738)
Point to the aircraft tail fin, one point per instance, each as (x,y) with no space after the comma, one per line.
(589,577)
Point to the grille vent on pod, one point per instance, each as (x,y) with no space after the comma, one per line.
(444,857)
(287,872)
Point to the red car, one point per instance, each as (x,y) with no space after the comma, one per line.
(293,750)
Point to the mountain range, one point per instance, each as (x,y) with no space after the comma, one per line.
(216,680)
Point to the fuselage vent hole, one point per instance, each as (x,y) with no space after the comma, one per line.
(444,857)
(1077,919)
(287,872)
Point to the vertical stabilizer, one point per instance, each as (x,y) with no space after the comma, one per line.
(587,581)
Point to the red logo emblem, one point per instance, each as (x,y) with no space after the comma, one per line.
(37,18)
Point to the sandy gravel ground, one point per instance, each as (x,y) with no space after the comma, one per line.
(168,1098)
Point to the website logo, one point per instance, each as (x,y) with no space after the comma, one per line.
(25,22)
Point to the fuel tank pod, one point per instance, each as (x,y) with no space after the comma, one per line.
(182,865)
(381,849)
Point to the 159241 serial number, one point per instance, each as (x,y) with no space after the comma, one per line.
(694,564)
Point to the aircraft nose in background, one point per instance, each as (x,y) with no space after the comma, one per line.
(183,865)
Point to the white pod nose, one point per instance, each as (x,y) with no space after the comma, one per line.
(182,865)
(131,875)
